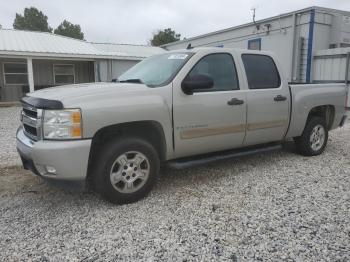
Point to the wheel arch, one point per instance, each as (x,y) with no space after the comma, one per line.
(154,135)
(327,112)
(300,118)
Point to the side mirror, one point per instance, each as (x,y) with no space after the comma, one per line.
(195,82)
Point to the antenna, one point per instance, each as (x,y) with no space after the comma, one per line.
(189,46)
(256,25)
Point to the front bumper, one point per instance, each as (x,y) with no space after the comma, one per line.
(62,160)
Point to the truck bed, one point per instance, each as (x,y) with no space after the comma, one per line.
(304,97)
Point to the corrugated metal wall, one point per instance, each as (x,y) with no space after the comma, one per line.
(330,65)
(43,71)
(43,76)
(9,93)
(106,70)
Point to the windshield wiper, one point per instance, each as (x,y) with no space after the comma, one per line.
(137,81)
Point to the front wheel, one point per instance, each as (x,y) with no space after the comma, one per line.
(126,170)
(314,139)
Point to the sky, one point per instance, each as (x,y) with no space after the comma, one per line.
(134,21)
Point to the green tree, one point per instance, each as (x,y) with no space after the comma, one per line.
(162,37)
(33,20)
(68,29)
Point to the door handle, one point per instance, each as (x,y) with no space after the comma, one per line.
(235,101)
(280,98)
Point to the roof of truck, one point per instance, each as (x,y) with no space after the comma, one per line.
(221,49)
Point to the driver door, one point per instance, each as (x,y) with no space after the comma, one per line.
(213,119)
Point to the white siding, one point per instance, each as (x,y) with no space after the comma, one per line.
(292,54)
(330,65)
(106,70)
(121,66)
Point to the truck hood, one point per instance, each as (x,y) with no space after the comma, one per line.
(71,94)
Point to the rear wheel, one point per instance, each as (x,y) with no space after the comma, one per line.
(126,170)
(314,139)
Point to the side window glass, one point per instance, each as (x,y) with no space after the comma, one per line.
(254,44)
(261,71)
(221,68)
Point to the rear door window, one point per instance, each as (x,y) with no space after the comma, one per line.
(261,71)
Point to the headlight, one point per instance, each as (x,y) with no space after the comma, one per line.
(62,124)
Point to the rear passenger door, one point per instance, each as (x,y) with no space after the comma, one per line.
(268,100)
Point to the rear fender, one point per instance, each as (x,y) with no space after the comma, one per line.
(326,100)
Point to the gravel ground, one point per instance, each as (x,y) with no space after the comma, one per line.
(276,206)
(9,117)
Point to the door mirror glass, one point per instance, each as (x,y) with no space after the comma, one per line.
(196,82)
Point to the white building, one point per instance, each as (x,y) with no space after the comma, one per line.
(34,60)
(297,38)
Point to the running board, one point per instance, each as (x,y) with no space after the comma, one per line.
(209,158)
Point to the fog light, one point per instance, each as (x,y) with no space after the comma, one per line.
(41,169)
(51,170)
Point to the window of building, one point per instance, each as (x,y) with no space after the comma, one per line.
(254,44)
(221,68)
(261,71)
(15,73)
(63,74)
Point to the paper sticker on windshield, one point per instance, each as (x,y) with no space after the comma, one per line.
(178,56)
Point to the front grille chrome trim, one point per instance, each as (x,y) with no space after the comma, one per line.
(29,108)
(30,135)
(29,120)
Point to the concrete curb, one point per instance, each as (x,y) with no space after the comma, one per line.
(9,104)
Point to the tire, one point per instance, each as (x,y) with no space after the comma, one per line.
(314,139)
(119,164)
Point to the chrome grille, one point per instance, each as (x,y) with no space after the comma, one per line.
(31,121)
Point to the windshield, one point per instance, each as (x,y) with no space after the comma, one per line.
(156,70)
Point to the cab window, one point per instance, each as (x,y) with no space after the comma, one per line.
(221,68)
(261,71)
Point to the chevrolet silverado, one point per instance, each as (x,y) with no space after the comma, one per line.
(172,106)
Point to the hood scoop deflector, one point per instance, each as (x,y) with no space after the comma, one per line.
(42,103)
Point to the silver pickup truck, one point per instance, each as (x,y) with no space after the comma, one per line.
(172,106)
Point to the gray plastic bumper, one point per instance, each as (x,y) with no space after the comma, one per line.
(63,160)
